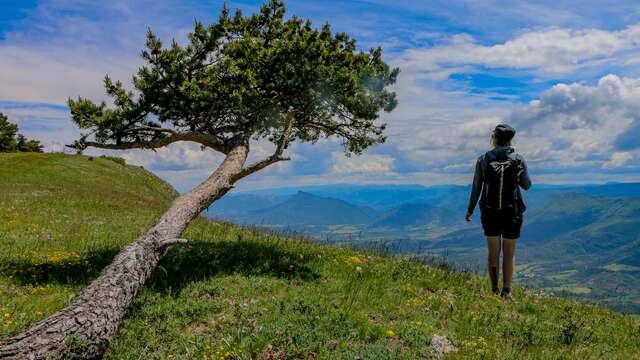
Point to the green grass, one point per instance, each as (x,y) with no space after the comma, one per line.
(621,267)
(569,288)
(562,275)
(248,294)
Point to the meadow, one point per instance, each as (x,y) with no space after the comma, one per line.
(249,293)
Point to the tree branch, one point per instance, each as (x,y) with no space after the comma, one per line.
(284,141)
(277,155)
(259,166)
(153,128)
(212,142)
(331,130)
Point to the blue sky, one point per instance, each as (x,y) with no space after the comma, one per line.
(566,74)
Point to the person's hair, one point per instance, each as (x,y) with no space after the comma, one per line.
(496,143)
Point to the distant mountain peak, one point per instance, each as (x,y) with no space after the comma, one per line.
(307,208)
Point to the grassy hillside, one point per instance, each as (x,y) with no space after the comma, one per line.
(577,245)
(241,293)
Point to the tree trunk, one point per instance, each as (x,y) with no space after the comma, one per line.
(85,328)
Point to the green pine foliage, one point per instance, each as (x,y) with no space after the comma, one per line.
(236,293)
(261,76)
(11,141)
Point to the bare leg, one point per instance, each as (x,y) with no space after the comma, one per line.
(508,261)
(493,260)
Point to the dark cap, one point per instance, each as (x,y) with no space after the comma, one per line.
(504,132)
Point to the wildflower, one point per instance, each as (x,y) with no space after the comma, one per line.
(69,257)
(354,260)
(390,333)
(358,269)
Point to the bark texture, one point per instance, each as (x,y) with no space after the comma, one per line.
(85,328)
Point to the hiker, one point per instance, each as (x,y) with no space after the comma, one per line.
(499,175)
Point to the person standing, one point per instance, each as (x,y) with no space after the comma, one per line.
(499,175)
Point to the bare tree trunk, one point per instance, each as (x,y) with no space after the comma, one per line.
(85,328)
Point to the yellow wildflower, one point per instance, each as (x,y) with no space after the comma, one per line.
(354,260)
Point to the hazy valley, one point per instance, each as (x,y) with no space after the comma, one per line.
(578,241)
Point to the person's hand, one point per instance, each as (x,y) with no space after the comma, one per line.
(468,216)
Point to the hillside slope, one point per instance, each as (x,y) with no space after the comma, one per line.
(415,214)
(575,244)
(237,293)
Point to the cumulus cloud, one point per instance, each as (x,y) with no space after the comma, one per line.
(583,125)
(572,128)
(179,156)
(431,130)
(50,124)
(551,51)
(618,159)
(53,75)
(65,47)
(364,164)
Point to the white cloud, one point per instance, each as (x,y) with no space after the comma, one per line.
(363,164)
(182,156)
(618,159)
(571,128)
(577,125)
(64,48)
(431,129)
(47,75)
(51,126)
(549,51)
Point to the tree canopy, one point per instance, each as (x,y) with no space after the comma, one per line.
(263,76)
(11,141)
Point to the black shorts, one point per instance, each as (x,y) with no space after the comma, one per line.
(506,223)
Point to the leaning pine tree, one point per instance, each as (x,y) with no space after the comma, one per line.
(261,77)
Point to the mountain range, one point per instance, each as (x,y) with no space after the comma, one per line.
(579,240)
(306,209)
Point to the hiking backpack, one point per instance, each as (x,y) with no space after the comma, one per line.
(501,182)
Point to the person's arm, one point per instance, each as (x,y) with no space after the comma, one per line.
(476,189)
(523,177)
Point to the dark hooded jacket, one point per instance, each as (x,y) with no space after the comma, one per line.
(481,169)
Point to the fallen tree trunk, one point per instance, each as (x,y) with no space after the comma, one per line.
(86,328)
